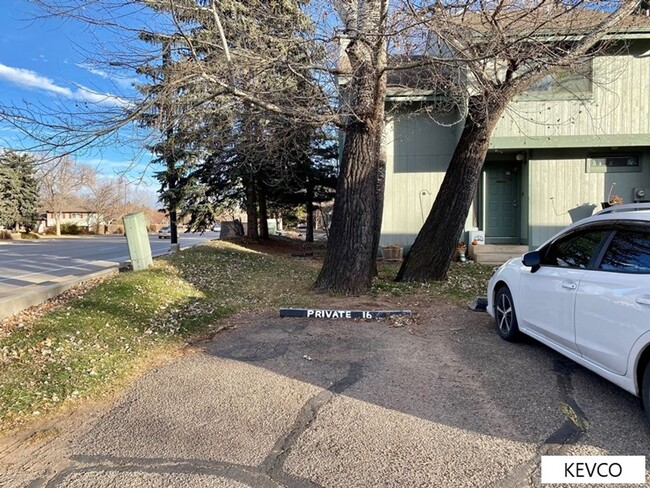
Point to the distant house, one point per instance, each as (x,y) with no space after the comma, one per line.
(559,151)
(82,218)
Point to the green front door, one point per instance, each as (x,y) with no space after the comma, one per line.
(502,203)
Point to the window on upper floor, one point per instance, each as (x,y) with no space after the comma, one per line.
(565,84)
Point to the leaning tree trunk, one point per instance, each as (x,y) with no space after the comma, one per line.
(434,247)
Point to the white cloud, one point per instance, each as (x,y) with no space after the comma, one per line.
(124,82)
(30,79)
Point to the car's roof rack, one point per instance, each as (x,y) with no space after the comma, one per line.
(626,207)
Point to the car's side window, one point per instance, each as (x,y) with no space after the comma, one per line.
(629,252)
(574,250)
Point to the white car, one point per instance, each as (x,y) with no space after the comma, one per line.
(165,233)
(586,294)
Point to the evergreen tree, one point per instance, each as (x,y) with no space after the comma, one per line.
(18,191)
(225,150)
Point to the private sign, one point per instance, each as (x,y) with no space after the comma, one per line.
(340,314)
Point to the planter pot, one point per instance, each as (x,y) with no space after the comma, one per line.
(460,254)
(391,253)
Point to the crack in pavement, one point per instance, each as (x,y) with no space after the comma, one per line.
(269,473)
(567,434)
(577,423)
(274,462)
(249,475)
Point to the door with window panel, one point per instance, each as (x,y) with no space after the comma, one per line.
(613,300)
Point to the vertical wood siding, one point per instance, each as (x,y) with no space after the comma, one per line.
(561,190)
(620,104)
(418,150)
(555,184)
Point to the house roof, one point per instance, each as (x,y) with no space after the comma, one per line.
(420,83)
(541,21)
(71,211)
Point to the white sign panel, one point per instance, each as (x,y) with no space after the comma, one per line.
(593,469)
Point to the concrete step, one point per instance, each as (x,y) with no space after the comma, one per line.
(493,258)
(498,248)
(496,253)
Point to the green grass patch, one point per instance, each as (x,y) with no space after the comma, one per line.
(100,338)
(97,341)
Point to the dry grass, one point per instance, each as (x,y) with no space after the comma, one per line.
(96,340)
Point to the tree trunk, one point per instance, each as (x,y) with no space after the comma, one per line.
(379,191)
(172,180)
(309,236)
(173,226)
(251,211)
(348,266)
(434,247)
(264,214)
(57,220)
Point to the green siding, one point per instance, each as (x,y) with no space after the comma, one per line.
(561,190)
(418,151)
(557,137)
(620,106)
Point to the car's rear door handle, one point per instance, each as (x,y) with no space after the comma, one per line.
(569,285)
(643,300)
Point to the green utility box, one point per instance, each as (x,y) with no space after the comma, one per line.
(137,239)
(273,226)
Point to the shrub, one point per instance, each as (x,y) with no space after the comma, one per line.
(70,229)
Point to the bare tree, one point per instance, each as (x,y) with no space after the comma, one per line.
(103,196)
(60,181)
(501,47)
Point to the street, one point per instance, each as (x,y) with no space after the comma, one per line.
(51,260)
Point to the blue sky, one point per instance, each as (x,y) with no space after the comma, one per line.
(42,62)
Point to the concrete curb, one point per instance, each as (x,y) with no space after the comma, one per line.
(15,303)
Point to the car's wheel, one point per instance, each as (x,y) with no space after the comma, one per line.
(645,391)
(159,237)
(505,315)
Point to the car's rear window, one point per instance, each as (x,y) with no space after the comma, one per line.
(629,252)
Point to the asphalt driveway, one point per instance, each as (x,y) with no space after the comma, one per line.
(441,401)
